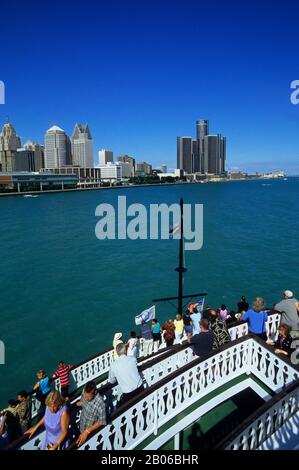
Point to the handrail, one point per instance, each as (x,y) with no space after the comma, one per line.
(157,354)
(256,414)
(282,376)
(148,395)
(147,391)
(105,389)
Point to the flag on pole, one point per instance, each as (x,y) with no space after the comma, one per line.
(146,316)
(175,229)
(200,305)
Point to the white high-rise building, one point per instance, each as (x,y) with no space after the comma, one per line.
(105,156)
(111,172)
(55,148)
(82,146)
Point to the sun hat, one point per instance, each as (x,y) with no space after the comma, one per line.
(117,336)
(289,294)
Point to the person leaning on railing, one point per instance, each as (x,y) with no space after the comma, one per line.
(219,328)
(24,410)
(63,374)
(56,422)
(289,308)
(283,344)
(202,342)
(42,388)
(125,372)
(93,415)
(257,318)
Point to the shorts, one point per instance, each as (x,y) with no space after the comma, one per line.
(65,392)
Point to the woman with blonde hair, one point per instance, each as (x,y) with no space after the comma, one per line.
(257,318)
(179,328)
(56,422)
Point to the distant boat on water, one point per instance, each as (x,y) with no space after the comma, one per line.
(30,195)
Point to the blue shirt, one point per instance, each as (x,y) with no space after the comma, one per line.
(44,385)
(156,328)
(196,317)
(257,321)
(146,331)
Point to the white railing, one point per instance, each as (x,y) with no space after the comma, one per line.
(99,365)
(152,372)
(268,423)
(272,325)
(183,388)
(156,408)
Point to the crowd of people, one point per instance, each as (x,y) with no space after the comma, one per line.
(205,331)
(15,419)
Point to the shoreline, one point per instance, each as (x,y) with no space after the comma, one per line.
(55,191)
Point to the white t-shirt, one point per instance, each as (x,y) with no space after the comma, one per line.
(132,347)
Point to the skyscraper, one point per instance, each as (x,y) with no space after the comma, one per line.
(105,156)
(214,149)
(30,157)
(202,130)
(82,146)
(145,168)
(223,155)
(184,154)
(9,143)
(130,160)
(205,155)
(56,143)
(195,156)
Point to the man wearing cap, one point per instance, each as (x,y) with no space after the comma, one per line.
(289,308)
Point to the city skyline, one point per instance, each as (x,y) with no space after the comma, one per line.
(145,100)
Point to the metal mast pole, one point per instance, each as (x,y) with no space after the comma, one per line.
(181,269)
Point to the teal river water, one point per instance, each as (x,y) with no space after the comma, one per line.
(64,293)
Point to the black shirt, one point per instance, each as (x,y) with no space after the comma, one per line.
(186,320)
(285,344)
(243,306)
(202,343)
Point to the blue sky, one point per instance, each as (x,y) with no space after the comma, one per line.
(141,73)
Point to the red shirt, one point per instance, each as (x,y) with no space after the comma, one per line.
(62,374)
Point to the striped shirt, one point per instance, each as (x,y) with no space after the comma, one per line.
(62,374)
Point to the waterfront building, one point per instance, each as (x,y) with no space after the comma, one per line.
(57,148)
(30,158)
(185,154)
(176,174)
(82,146)
(111,172)
(195,156)
(206,154)
(105,156)
(144,168)
(211,154)
(202,130)
(27,182)
(9,144)
(214,154)
(87,177)
(130,160)
(126,169)
(164,168)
